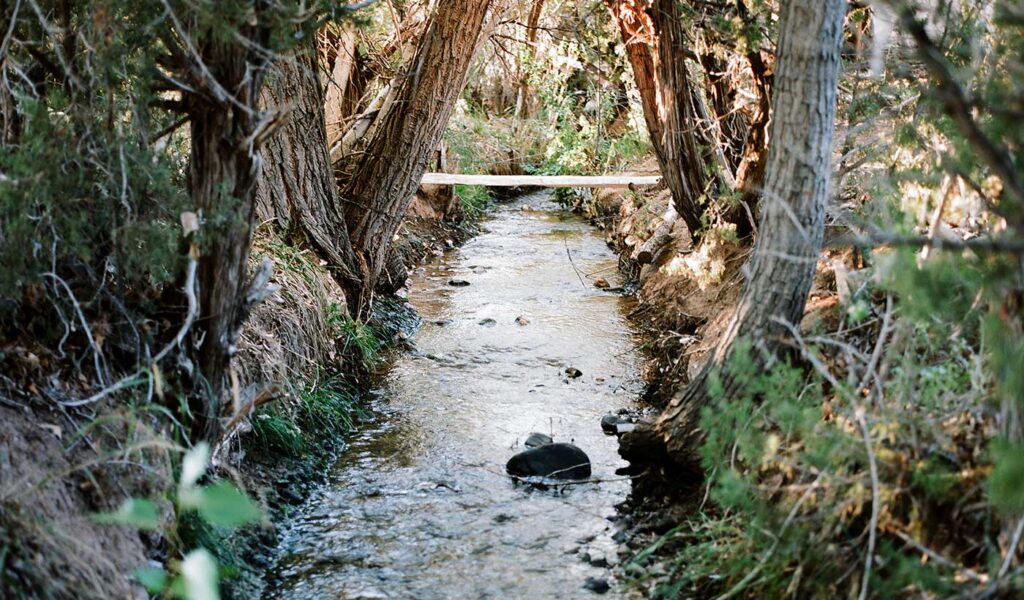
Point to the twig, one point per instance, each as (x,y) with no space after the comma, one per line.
(1012,550)
(959,107)
(97,353)
(978,244)
(945,194)
(942,560)
(876,355)
(565,240)
(771,551)
(134,379)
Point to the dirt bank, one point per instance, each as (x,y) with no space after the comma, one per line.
(685,300)
(61,464)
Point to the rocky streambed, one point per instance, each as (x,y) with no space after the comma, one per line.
(420,505)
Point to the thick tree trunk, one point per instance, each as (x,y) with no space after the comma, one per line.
(298,188)
(792,226)
(224,166)
(667,98)
(687,173)
(381,186)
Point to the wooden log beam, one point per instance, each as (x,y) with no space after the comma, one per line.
(550,181)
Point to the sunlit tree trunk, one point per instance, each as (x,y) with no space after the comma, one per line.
(298,189)
(667,98)
(792,224)
(382,183)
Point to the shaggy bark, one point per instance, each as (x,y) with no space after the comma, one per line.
(223,169)
(667,98)
(297,188)
(791,229)
(381,186)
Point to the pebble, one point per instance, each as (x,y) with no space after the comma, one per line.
(521,320)
(458,282)
(488,322)
(573,372)
(597,585)
(602,283)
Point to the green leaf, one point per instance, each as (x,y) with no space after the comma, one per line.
(224,505)
(193,466)
(154,579)
(199,576)
(134,512)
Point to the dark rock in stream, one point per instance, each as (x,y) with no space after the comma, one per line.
(557,461)
(573,372)
(614,424)
(488,322)
(458,282)
(598,586)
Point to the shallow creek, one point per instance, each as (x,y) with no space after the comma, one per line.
(419,505)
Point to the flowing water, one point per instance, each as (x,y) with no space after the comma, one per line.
(419,505)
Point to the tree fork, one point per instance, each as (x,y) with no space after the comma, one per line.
(298,188)
(380,189)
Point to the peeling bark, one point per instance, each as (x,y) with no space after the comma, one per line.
(667,98)
(223,168)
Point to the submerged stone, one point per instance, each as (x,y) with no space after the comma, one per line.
(556,461)
(458,282)
(596,585)
(535,440)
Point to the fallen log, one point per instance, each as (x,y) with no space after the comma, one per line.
(644,253)
(596,181)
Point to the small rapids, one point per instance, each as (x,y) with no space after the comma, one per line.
(419,505)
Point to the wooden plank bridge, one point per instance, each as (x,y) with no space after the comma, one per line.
(550,181)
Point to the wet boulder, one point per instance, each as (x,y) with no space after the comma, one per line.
(616,425)
(556,461)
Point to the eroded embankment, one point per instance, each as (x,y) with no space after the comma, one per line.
(685,298)
(61,463)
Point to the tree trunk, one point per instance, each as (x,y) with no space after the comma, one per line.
(532,29)
(381,186)
(223,169)
(667,99)
(343,83)
(792,226)
(298,188)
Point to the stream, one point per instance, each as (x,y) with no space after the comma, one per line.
(419,505)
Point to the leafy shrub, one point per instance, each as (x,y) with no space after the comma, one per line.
(476,200)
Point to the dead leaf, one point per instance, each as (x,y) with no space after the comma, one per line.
(54,429)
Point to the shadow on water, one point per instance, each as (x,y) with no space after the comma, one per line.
(419,505)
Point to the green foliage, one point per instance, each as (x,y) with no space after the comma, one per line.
(359,340)
(79,192)
(200,511)
(321,410)
(476,200)
(278,432)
